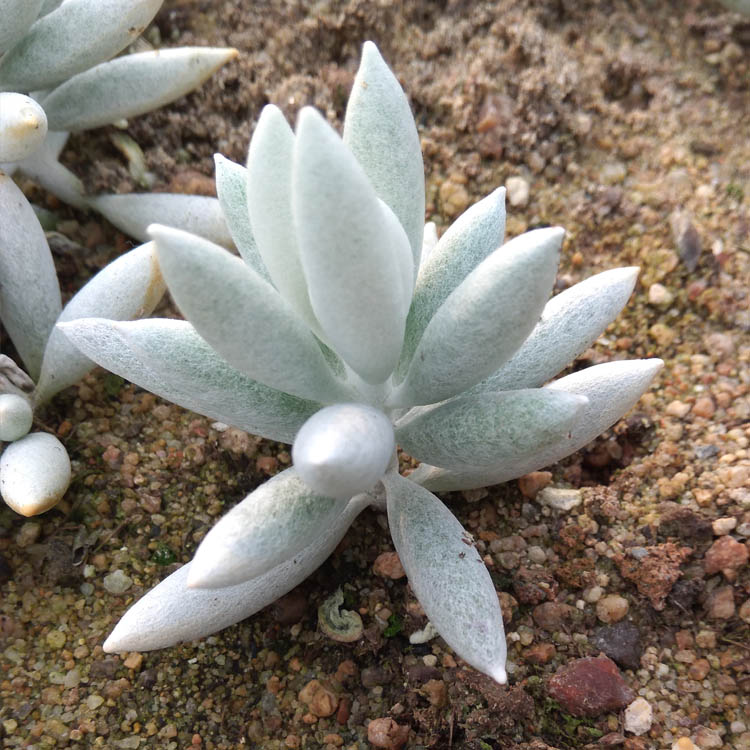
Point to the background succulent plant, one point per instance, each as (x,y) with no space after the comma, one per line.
(346,327)
(34,468)
(60,53)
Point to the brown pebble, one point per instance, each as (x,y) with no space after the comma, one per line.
(699,669)
(436,692)
(344,710)
(552,615)
(704,407)
(191,182)
(345,670)
(321,699)
(333,739)
(387,733)
(530,484)
(388,565)
(134,660)
(266,464)
(727,555)
(720,603)
(540,653)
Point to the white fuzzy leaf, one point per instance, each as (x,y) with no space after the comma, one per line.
(379,129)
(16,416)
(447,575)
(170,359)
(484,320)
(612,389)
(355,254)
(171,612)
(262,531)
(48,6)
(133,213)
(269,201)
(131,85)
(429,242)
(570,323)
(475,432)
(243,317)
(129,287)
(466,243)
(17,16)
(76,36)
(231,187)
(344,449)
(34,473)
(29,294)
(23,126)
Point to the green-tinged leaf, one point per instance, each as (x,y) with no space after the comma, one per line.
(612,389)
(570,323)
(380,131)
(48,6)
(171,612)
(75,36)
(133,213)
(355,254)
(168,358)
(447,575)
(269,201)
(29,294)
(231,187)
(484,320)
(243,317)
(265,529)
(129,287)
(477,432)
(17,17)
(466,243)
(131,85)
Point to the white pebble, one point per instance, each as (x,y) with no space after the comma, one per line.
(639,716)
(659,295)
(722,526)
(34,473)
(560,499)
(117,582)
(518,191)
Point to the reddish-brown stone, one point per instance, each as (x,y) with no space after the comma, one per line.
(725,554)
(590,687)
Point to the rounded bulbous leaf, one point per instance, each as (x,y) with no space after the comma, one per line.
(23,126)
(34,473)
(16,416)
(344,449)
(17,15)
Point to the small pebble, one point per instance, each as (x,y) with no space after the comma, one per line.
(28,534)
(726,554)
(723,526)
(639,716)
(677,409)
(536,554)
(704,407)
(117,582)
(56,639)
(388,565)
(530,484)
(561,499)
(386,733)
(659,295)
(720,604)
(518,191)
(612,608)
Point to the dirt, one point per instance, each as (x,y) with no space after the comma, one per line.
(629,122)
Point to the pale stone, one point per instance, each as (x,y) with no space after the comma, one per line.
(612,608)
(558,498)
(639,716)
(517,191)
(722,526)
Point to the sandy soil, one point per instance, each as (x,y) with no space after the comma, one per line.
(628,122)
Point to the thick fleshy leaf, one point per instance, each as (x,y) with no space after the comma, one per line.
(476,432)
(379,129)
(355,254)
(170,359)
(269,201)
(570,323)
(29,294)
(133,213)
(478,232)
(265,529)
(16,416)
(344,449)
(171,612)
(243,317)
(48,6)
(612,389)
(231,187)
(34,473)
(447,575)
(484,320)
(131,85)
(129,287)
(17,15)
(23,126)
(429,242)
(76,36)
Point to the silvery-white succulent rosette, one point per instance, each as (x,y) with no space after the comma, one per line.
(56,77)
(346,328)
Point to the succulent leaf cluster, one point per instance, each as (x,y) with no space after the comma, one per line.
(60,53)
(34,469)
(347,327)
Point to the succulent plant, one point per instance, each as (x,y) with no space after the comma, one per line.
(35,469)
(347,327)
(59,52)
